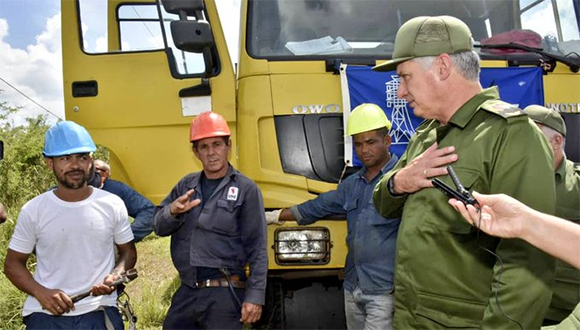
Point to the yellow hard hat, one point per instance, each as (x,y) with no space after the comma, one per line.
(366,117)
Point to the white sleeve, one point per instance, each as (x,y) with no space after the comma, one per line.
(123,232)
(24,237)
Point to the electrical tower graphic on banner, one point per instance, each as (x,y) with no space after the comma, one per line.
(402,129)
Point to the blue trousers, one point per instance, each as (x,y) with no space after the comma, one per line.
(206,308)
(368,312)
(93,321)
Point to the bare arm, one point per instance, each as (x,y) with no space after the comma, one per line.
(127,256)
(126,260)
(278,216)
(53,300)
(286,215)
(504,216)
(564,236)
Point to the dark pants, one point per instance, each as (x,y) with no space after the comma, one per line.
(205,308)
(93,321)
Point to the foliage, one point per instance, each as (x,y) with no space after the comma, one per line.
(152,291)
(23,175)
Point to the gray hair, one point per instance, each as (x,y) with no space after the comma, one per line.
(467,64)
(550,133)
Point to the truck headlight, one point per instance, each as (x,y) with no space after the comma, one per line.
(294,245)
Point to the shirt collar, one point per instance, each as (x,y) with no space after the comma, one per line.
(390,164)
(561,170)
(385,169)
(464,114)
(232,173)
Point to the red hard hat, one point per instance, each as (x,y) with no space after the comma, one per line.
(208,124)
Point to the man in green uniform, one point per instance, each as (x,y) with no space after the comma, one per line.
(447,274)
(566,290)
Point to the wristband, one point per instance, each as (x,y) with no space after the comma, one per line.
(391,187)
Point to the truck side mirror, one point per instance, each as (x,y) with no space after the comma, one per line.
(192,36)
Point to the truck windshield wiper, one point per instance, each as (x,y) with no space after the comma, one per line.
(572,63)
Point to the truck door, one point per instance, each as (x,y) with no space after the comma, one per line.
(136,92)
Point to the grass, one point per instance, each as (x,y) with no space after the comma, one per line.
(11,299)
(150,293)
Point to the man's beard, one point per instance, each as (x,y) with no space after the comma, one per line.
(72,184)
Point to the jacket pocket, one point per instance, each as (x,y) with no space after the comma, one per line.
(450,312)
(450,220)
(226,217)
(351,204)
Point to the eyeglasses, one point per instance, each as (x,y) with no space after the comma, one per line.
(100,170)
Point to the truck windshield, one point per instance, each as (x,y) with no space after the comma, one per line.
(366,28)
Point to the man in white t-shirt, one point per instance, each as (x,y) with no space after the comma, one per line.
(73,230)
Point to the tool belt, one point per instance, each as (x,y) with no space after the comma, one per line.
(222,282)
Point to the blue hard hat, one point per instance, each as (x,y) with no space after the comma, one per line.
(66,138)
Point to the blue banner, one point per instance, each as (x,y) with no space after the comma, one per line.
(518,86)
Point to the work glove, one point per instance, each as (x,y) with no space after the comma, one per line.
(273,217)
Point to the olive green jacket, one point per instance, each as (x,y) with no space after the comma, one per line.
(567,281)
(444,277)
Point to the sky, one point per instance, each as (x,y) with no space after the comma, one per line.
(30,55)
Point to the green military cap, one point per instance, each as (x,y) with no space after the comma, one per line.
(428,36)
(548,117)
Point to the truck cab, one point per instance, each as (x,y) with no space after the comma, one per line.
(137,71)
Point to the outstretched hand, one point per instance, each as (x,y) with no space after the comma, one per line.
(500,215)
(273,217)
(182,204)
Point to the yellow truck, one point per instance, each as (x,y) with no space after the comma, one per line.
(137,71)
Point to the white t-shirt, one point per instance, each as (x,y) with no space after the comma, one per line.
(74,244)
